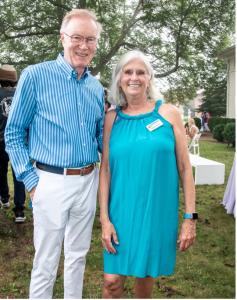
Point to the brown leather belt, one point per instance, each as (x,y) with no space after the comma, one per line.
(57,170)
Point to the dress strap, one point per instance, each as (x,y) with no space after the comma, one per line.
(158,104)
(117,109)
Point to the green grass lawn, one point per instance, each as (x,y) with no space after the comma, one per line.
(207,270)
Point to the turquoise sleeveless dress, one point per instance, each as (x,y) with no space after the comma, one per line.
(144,195)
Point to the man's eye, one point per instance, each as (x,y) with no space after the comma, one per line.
(77,38)
(91,39)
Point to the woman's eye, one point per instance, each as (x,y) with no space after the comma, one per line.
(140,72)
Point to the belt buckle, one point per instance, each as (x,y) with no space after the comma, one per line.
(83,172)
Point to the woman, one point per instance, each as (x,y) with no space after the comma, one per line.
(193,129)
(144,141)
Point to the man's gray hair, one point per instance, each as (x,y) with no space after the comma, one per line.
(117,96)
(80,13)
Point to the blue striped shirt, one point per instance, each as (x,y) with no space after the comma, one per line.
(64,116)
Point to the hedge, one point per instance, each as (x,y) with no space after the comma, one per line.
(229,133)
(218,132)
(213,121)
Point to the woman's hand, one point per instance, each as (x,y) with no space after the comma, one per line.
(109,235)
(187,234)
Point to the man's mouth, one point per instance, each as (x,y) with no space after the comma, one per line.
(81,54)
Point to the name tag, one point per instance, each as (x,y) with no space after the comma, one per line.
(156,124)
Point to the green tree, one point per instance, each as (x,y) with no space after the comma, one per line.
(214,83)
(214,100)
(179,35)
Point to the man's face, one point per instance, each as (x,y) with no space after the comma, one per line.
(79,39)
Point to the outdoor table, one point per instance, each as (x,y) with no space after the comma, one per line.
(207,171)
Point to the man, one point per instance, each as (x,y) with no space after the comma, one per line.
(8,79)
(62,105)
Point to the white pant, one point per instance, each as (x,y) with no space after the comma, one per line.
(64,208)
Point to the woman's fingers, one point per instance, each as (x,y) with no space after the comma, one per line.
(109,235)
(115,238)
(187,234)
(185,243)
(107,244)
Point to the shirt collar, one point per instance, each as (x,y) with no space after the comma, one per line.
(68,69)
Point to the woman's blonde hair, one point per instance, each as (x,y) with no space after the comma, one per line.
(116,95)
(191,121)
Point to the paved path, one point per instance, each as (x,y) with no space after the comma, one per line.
(207,136)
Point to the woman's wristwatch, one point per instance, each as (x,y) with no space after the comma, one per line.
(192,216)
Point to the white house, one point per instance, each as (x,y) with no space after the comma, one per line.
(229,56)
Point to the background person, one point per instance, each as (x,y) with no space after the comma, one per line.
(62,104)
(192,128)
(106,103)
(8,80)
(206,118)
(204,122)
(186,127)
(144,142)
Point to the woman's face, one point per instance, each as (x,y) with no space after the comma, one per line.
(134,79)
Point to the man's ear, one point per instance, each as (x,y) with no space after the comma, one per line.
(61,37)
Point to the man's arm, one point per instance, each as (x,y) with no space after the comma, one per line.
(21,114)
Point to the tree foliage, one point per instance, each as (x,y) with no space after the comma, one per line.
(180,36)
(215,89)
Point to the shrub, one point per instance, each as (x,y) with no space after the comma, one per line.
(229,133)
(218,132)
(197,122)
(213,121)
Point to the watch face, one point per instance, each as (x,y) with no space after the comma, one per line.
(195,216)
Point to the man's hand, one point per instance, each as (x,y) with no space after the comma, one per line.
(32,192)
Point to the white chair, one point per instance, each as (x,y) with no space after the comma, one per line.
(194,145)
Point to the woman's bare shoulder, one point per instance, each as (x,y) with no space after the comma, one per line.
(170,112)
(110,116)
(168,107)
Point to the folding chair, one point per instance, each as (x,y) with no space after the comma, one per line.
(194,145)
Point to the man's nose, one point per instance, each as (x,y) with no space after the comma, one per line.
(83,44)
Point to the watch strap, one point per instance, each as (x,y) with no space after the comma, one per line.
(192,216)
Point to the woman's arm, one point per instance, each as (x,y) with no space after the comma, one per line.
(108,231)
(188,229)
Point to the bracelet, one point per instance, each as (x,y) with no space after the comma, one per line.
(192,216)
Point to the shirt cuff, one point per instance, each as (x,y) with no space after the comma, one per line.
(100,145)
(31,180)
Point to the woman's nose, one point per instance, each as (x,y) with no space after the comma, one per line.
(134,75)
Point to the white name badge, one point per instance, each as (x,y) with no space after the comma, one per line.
(156,124)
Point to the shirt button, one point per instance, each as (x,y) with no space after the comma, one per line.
(81,123)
